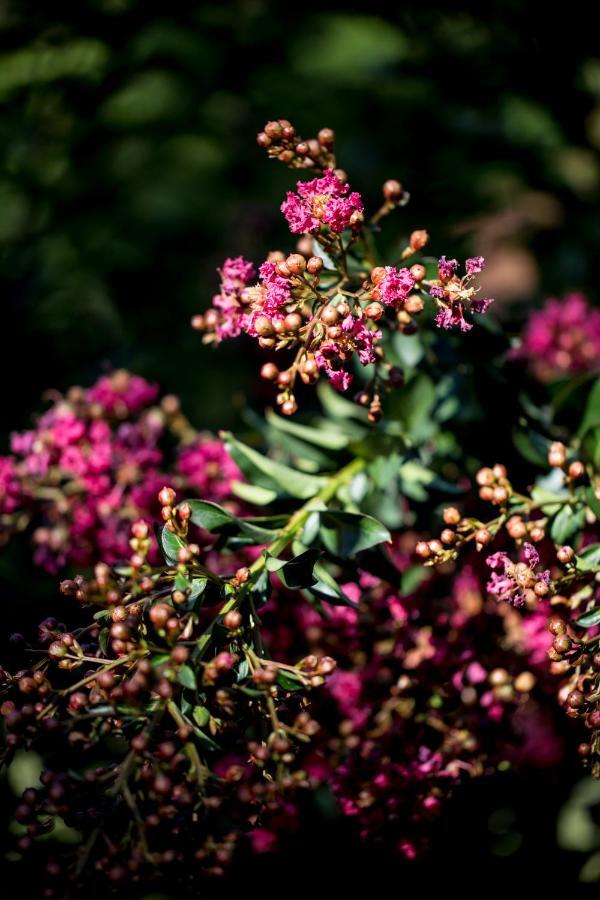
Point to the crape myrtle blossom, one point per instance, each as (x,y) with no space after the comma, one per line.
(322,201)
(303,300)
(229,304)
(355,337)
(454,295)
(94,463)
(511,581)
(561,339)
(392,285)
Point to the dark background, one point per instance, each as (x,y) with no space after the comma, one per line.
(129,170)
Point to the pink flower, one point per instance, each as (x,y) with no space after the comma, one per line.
(356,338)
(447,268)
(322,201)
(208,469)
(509,581)
(122,393)
(10,488)
(263,840)
(395,286)
(235,274)
(563,338)
(453,317)
(474,265)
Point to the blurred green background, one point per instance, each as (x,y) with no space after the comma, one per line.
(129,170)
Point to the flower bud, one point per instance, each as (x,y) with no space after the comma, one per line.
(274,131)
(377,274)
(296,263)
(418,272)
(263,326)
(576,469)
(330,314)
(269,371)
(374,311)
(167,496)
(557,455)
(314,265)
(419,239)
(414,304)
(482,537)
(565,554)
(326,137)
(392,190)
(451,516)
(293,322)
(232,620)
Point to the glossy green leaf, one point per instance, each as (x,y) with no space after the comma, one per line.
(271,474)
(296,573)
(186,677)
(590,619)
(201,716)
(327,588)
(567,523)
(253,493)
(589,559)
(347,533)
(171,544)
(209,516)
(328,438)
(591,416)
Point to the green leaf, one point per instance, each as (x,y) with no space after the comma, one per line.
(268,473)
(253,493)
(328,589)
(198,587)
(590,618)
(591,416)
(592,501)
(412,578)
(181,583)
(567,523)
(171,544)
(345,534)
(338,407)
(289,681)
(187,678)
(201,716)
(209,516)
(533,446)
(205,740)
(296,573)
(589,559)
(329,439)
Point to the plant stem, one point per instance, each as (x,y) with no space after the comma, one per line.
(287,535)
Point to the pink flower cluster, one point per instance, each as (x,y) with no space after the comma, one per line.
(93,464)
(454,295)
(236,274)
(395,748)
(562,338)
(356,338)
(268,302)
(510,581)
(322,201)
(394,286)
